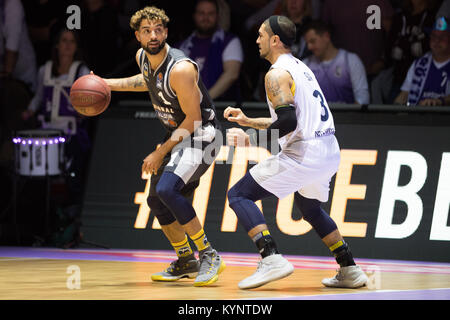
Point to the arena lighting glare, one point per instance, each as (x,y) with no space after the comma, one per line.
(39,141)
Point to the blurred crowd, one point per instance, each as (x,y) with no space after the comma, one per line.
(220,36)
(361,51)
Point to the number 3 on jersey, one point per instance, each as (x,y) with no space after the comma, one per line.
(324,116)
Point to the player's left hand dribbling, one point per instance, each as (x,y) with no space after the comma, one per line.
(152,163)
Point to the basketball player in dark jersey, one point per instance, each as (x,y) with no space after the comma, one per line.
(186,111)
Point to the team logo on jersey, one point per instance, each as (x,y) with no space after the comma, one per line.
(165,115)
(172,123)
(145,69)
(159,81)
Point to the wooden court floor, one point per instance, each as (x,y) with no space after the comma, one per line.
(56,274)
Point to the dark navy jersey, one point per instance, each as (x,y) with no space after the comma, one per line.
(164,100)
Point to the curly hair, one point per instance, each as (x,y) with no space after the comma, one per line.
(149,13)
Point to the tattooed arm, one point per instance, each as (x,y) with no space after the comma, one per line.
(278,84)
(134,83)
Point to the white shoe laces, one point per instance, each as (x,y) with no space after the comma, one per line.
(261,266)
(339,276)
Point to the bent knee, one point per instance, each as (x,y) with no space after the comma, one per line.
(164,191)
(161,212)
(232,193)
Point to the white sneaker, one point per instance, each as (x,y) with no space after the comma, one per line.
(269,269)
(347,277)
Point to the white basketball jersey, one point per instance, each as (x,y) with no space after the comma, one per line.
(314,119)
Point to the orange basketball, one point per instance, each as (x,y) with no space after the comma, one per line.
(90,95)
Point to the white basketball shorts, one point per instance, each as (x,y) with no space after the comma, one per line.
(309,172)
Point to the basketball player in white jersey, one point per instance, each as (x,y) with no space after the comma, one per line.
(308,159)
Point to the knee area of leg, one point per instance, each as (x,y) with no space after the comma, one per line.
(161,212)
(232,194)
(310,208)
(164,192)
(154,203)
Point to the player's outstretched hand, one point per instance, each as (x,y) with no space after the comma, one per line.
(236,115)
(237,137)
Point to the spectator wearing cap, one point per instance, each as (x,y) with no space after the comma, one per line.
(341,74)
(427,82)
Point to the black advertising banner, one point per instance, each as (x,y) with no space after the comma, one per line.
(390,197)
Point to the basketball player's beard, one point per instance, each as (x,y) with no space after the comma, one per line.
(154,50)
